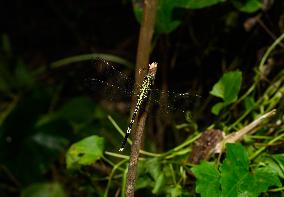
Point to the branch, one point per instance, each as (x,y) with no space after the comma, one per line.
(142,60)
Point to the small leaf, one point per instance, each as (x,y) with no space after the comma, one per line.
(228,86)
(6,45)
(207,176)
(165,22)
(23,76)
(85,152)
(50,141)
(175,191)
(153,167)
(143,181)
(194,4)
(276,164)
(217,108)
(44,190)
(249,103)
(159,184)
(247,5)
(280,159)
(78,110)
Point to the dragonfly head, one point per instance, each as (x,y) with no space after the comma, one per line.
(152,69)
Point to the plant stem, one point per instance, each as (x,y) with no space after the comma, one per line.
(88,57)
(269,143)
(143,54)
(258,76)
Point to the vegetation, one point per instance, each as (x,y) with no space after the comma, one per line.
(60,135)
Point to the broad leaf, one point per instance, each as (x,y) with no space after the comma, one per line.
(236,180)
(227,88)
(249,103)
(153,175)
(276,164)
(234,169)
(23,77)
(207,176)
(198,4)
(159,184)
(153,167)
(176,191)
(85,152)
(44,190)
(259,182)
(165,22)
(247,5)
(78,110)
(50,141)
(217,108)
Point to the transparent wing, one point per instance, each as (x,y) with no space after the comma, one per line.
(109,82)
(112,83)
(169,101)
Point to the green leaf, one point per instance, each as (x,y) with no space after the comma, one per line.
(165,23)
(23,77)
(44,190)
(144,176)
(217,108)
(236,180)
(175,191)
(247,5)
(276,164)
(143,181)
(78,110)
(198,4)
(249,103)
(153,167)
(227,88)
(280,159)
(6,45)
(259,182)
(234,169)
(159,184)
(152,175)
(207,176)
(85,152)
(164,20)
(234,177)
(50,141)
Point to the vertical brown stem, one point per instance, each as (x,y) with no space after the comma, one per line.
(131,174)
(142,60)
(145,39)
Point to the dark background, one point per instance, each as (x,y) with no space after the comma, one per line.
(208,42)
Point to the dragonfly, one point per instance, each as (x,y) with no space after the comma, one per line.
(142,96)
(108,77)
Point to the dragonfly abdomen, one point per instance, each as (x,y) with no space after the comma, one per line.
(144,91)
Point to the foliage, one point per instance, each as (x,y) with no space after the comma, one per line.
(166,23)
(226,88)
(208,176)
(56,139)
(85,152)
(234,177)
(44,190)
